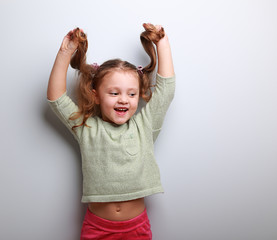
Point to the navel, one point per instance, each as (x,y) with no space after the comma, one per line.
(118,208)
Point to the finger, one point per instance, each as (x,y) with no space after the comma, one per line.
(144,25)
(158,27)
(148,26)
(69,33)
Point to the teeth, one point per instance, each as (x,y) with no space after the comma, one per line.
(121,109)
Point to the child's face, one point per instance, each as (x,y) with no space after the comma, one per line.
(118,96)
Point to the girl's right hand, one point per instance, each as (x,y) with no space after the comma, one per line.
(70,42)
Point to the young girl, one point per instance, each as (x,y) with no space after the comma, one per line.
(117,145)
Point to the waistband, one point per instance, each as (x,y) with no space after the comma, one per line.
(116,226)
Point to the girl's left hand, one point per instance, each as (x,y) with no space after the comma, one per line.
(151,27)
(157,29)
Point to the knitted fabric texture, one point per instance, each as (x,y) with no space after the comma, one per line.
(118,162)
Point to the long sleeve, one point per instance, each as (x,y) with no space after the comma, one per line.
(155,110)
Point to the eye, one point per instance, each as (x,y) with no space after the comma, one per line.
(132,94)
(114,93)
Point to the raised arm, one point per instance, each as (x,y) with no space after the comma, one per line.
(57,80)
(153,113)
(165,62)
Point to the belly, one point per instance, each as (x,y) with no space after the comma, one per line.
(118,211)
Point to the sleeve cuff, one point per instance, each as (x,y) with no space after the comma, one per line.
(58,99)
(165,79)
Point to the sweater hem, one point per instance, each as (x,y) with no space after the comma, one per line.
(121,197)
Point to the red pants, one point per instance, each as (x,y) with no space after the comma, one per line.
(95,227)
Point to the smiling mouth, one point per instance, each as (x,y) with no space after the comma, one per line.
(121,110)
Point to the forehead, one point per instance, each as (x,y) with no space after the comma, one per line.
(120,79)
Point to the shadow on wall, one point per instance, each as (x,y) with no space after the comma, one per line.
(61,131)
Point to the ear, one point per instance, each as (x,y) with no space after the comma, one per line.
(95,96)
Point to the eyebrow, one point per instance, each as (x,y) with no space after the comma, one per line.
(117,88)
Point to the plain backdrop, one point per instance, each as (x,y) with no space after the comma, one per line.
(217,151)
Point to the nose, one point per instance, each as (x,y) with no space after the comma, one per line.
(123,99)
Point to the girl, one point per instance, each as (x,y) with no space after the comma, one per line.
(117,145)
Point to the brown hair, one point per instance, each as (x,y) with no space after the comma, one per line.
(90,75)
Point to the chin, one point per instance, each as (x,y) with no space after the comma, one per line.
(120,122)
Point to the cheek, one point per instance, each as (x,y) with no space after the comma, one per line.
(109,102)
(135,103)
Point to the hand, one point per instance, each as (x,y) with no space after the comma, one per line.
(159,37)
(70,42)
(156,29)
(151,27)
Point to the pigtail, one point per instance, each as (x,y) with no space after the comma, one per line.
(147,38)
(86,72)
(79,57)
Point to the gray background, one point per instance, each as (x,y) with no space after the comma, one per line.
(217,151)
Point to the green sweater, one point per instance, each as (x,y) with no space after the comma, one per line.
(118,162)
